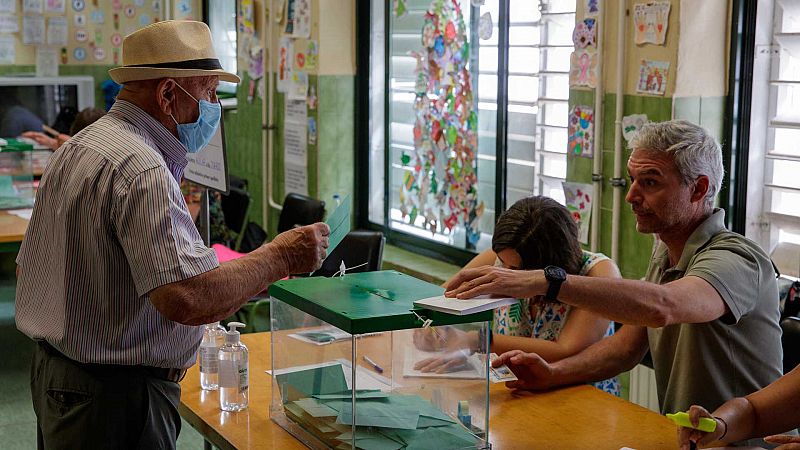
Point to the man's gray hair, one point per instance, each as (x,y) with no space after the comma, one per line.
(694,150)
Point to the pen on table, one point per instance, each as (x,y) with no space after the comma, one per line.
(52,132)
(374,365)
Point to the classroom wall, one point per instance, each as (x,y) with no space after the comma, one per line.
(330,161)
(703,104)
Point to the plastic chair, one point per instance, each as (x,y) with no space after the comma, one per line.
(299,210)
(361,250)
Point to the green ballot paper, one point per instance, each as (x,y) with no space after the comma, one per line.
(682,419)
(339,223)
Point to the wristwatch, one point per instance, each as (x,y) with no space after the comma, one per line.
(555,275)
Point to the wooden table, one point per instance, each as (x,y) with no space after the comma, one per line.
(576,417)
(12,230)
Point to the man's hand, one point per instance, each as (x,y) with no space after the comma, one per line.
(701,438)
(788,442)
(302,249)
(534,373)
(469,283)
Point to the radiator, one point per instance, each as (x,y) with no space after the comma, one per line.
(643,388)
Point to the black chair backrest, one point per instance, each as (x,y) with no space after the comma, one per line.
(299,210)
(235,206)
(358,247)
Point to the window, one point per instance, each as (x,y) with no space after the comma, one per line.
(222,22)
(776,132)
(444,197)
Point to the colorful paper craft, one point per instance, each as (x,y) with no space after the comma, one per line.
(583,69)
(578,198)
(585,34)
(632,124)
(591,8)
(650,21)
(652,77)
(581,131)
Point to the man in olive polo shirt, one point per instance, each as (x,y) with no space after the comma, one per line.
(708,310)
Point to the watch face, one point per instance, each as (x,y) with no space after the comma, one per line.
(555,273)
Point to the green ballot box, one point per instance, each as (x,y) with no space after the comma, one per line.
(356,365)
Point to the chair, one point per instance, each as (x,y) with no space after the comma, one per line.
(357,248)
(236,207)
(299,210)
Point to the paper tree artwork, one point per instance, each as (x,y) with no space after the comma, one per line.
(650,21)
(652,77)
(632,124)
(578,199)
(585,34)
(581,131)
(439,188)
(583,69)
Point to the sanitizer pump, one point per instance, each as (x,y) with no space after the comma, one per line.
(233,371)
(208,356)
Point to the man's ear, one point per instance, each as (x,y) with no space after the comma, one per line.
(701,186)
(165,96)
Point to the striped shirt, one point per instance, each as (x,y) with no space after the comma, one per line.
(110,225)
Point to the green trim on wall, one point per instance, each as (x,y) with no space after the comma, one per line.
(635,248)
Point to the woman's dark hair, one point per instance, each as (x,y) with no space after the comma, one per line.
(84,119)
(542,231)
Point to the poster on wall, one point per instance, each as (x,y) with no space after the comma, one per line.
(295,141)
(591,8)
(8,51)
(652,77)
(650,21)
(9,23)
(284,55)
(32,6)
(54,6)
(57,30)
(8,6)
(578,200)
(632,124)
(302,19)
(581,131)
(585,34)
(46,62)
(33,29)
(583,69)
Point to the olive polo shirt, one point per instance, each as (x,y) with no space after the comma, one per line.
(709,363)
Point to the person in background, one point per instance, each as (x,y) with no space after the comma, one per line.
(14,117)
(533,233)
(708,308)
(84,118)
(763,413)
(113,279)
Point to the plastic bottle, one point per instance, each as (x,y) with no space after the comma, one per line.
(208,356)
(233,371)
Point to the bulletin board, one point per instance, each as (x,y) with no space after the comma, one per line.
(80,32)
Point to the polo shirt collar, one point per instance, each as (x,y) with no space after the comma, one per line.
(167,144)
(699,237)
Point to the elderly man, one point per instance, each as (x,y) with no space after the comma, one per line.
(708,310)
(113,276)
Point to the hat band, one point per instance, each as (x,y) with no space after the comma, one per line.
(202,64)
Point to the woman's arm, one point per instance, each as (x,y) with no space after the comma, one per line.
(582,329)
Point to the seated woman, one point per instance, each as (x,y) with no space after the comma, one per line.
(534,233)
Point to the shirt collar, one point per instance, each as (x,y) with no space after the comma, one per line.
(699,237)
(171,149)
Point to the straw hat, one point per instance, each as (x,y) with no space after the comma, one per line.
(169,49)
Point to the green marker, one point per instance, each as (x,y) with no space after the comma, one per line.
(682,419)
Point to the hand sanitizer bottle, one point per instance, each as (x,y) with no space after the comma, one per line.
(208,356)
(233,368)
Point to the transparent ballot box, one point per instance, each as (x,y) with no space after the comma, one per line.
(356,365)
(16,175)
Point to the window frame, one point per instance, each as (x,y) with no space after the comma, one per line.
(404,240)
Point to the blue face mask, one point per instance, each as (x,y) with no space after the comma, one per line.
(196,135)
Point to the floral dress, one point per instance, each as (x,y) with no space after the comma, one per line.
(546,322)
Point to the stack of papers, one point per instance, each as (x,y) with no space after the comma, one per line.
(463,307)
(383,420)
